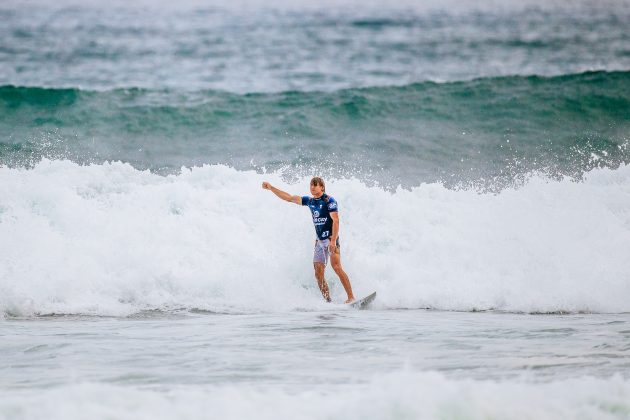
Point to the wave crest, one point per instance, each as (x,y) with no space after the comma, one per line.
(111,240)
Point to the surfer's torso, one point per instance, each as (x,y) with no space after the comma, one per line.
(320,210)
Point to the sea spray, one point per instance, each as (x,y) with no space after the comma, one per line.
(109,239)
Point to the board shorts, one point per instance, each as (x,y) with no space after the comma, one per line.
(321,252)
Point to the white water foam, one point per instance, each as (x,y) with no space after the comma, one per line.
(111,240)
(398,395)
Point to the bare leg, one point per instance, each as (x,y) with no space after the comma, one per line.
(321,281)
(335,261)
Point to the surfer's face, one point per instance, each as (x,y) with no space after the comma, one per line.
(317,190)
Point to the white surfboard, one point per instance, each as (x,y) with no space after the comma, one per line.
(363,303)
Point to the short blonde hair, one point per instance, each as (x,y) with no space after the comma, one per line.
(318,181)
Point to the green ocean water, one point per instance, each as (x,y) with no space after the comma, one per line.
(399,93)
(490,129)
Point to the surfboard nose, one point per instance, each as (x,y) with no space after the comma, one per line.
(364,302)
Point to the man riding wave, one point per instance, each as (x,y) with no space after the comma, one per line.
(326,220)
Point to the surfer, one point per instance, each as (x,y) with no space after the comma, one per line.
(326,220)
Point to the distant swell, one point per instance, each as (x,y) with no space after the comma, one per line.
(493,129)
(531,88)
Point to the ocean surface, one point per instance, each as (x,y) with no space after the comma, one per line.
(480,155)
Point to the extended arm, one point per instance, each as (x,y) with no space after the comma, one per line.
(281,194)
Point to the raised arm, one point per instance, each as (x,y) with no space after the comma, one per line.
(281,194)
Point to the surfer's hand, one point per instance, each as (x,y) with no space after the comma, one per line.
(266,185)
(332,247)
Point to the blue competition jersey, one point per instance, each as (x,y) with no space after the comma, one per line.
(321,209)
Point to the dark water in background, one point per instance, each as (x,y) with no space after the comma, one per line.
(493,129)
(343,93)
(249,46)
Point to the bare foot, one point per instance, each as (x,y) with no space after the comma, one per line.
(350,300)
